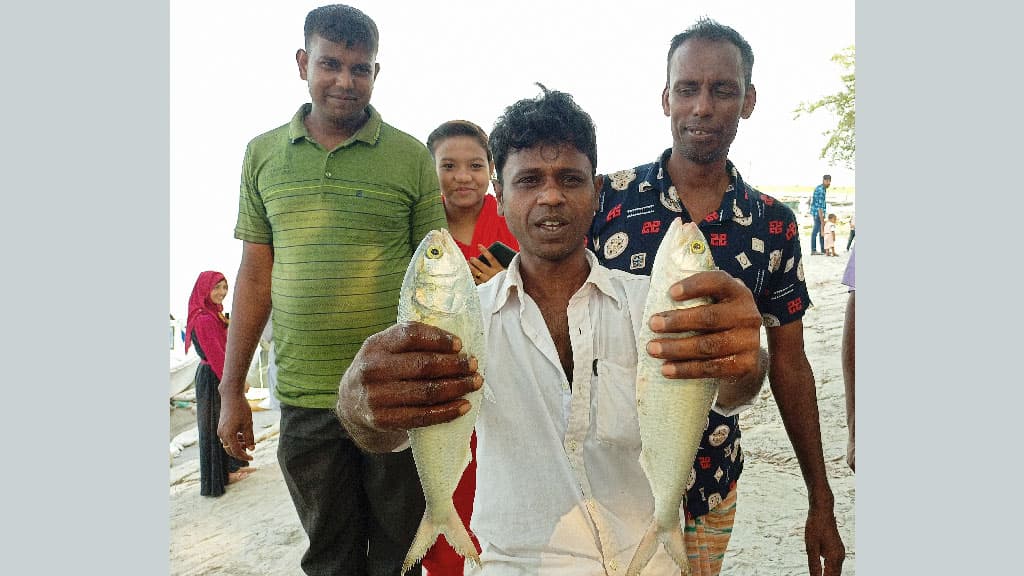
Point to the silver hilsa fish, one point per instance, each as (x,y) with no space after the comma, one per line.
(673,413)
(439,290)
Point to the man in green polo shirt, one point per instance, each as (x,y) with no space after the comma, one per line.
(332,206)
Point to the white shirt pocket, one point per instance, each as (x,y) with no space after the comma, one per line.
(615,405)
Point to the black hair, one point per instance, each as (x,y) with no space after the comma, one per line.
(551,118)
(340,23)
(707,29)
(827,177)
(454,128)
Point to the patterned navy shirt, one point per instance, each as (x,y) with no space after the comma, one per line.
(752,236)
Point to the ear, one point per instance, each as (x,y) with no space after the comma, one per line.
(498,196)
(302,59)
(664,101)
(749,99)
(376,70)
(598,184)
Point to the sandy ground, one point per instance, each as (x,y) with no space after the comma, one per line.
(253,530)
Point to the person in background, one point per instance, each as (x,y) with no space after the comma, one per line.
(464,171)
(818,213)
(754,238)
(207,327)
(560,487)
(830,236)
(332,206)
(849,356)
(853,231)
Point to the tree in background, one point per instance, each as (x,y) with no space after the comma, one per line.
(842,144)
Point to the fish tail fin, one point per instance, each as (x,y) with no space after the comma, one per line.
(459,539)
(644,551)
(673,542)
(428,532)
(675,545)
(425,537)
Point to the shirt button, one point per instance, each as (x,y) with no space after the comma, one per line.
(328,174)
(614,564)
(572,445)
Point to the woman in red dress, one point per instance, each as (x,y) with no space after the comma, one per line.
(207,330)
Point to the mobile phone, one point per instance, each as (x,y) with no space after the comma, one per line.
(501,252)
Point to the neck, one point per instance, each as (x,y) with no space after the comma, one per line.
(330,133)
(461,215)
(700,187)
(545,280)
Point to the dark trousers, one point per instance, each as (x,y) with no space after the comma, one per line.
(853,232)
(360,511)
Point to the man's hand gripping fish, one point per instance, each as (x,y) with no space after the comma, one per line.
(439,290)
(672,412)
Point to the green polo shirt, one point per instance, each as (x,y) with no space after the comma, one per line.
(344,224)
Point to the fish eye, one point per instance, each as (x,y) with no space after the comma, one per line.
(434,252)
(697,247)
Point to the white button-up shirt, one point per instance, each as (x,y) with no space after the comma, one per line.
(560,489)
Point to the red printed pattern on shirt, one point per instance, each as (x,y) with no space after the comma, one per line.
(651,227)
(614,213)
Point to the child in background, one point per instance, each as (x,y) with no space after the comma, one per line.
(830,236)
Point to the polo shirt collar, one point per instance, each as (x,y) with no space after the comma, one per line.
(369,133)
(599,278)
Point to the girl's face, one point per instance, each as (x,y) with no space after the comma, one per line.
(462,170)
(220,290)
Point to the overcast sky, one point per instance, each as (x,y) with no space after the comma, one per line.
(233,76)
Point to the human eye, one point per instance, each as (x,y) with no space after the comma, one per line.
(361,70)
(477,166)
(447,165)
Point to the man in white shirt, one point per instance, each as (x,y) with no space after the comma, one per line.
(559,484)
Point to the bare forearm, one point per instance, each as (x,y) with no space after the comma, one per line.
(249,312)
(798,406)
(792,383)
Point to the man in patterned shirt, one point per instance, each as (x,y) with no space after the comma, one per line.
(753,238)
(818,213)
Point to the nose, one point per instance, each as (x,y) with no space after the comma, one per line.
(344,79)
(462,175)
(550,194)
(702,103)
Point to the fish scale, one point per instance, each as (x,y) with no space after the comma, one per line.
(438,290)
(672,412)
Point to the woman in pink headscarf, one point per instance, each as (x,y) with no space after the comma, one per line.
(207,330)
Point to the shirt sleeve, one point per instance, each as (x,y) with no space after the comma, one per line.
(428,212)
(252,224)
(213,339)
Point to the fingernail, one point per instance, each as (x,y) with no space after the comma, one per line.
(456,343)
(472,364)
(657,323)
(676,291)
(464,408)
(478,382)
(654,348)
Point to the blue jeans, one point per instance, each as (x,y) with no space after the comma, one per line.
(817,235)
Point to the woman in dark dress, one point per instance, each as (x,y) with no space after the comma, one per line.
(207,330)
